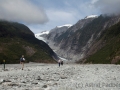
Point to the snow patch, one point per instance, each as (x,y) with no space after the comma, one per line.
(67,25)
(39,35)
(91,16)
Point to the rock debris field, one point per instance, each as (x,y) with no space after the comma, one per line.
(67,77)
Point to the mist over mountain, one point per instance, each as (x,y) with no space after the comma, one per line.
(109,7)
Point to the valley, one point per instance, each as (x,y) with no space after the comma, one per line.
(81,40)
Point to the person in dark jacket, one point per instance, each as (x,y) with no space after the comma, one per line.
(62,62)
(22,61)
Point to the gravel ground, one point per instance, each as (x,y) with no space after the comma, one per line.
(66,77)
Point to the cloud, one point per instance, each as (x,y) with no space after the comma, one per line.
(57,17)
(108,6)
(94,1)
(61,16)
(22,11)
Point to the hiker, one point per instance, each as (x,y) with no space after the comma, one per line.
(22,60)
(62,62)
(59,62)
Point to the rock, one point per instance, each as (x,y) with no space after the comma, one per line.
(6,80)
(1,81)
(44,86)
(96,69)
(13,84)
(5,69)
(23,82)
(29,70)
(57,73)
(38,78)
(35,83)
(63,77)
(55,84)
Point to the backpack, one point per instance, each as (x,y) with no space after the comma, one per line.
(21,59)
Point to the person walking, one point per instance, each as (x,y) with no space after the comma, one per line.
(59,62)
(22,60)
(62,62)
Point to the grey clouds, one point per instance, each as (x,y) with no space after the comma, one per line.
(108,6)
(22,11)
(30,12)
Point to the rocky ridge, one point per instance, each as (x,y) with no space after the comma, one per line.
(78,41)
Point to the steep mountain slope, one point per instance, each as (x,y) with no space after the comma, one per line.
(76,45)
(56,32)
(17,39)
(109,44)
(50,37)
(56,39)
(79,41)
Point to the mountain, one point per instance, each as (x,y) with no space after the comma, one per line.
(41,35)
(106,49)
(50,36)
(77,44)
(17,39)
(79,41)
(56,36)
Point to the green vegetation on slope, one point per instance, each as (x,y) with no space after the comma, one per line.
(110,53)
(16,40)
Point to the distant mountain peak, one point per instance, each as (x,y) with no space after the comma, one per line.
(43,32)
(67,25)
(91,16)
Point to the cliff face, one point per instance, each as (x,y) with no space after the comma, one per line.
(79,41)
(17,39)
(56,32)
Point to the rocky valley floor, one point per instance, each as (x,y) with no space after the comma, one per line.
(66,77)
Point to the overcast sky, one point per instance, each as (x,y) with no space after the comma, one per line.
(41,15)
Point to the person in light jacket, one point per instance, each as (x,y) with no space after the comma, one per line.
(59,62)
